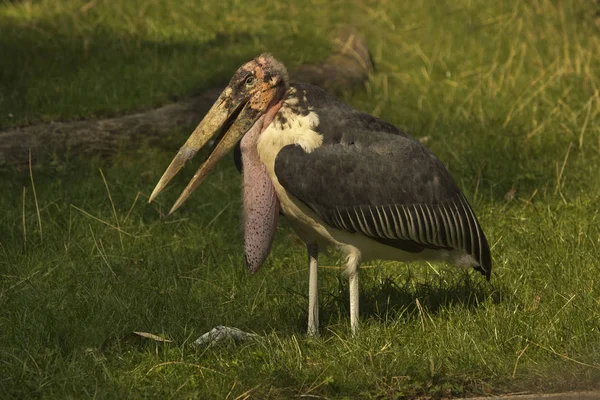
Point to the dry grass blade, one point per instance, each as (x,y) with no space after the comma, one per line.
(101,252)
(518,107)
(231,390)
(518,358)
(246,394)
(563,307)
(24,220)
(88,6)
(137,196)
(551,350)
(559,174)
(212,221)
(200,367)
(585,123)
(258,292)
(113,207)
(530,199)
(154,337)
(542,125)
(68,243)
(3,250)
(421,317)
(37,207)
(106,223)
(314,385)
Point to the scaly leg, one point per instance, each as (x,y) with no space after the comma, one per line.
(353,262)
(354,302)
(313,293)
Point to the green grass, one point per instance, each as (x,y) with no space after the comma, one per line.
(507,93)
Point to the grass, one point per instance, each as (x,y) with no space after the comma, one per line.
(506,92)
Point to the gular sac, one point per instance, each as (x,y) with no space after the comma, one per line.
(261,207)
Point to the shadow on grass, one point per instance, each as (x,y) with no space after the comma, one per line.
(102,74)
(390,299)
(64,68)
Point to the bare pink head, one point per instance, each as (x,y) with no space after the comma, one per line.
(254,89)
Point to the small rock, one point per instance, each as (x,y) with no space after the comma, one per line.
(221,334)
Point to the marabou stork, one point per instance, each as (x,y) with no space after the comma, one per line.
(343,178)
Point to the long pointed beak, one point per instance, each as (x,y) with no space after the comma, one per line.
(210,125)
(241,125)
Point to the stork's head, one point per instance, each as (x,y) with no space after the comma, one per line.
(255,87)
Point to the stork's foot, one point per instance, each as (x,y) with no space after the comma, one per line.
(312,332)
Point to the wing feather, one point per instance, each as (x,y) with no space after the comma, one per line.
(451,228)
(426,224)
(354,228)
(377,224)
(460,229)
(481,243)
(403,222)
(435,226)
(396,232)
(443,230)
(385,223)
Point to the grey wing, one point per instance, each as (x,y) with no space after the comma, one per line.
(390,188)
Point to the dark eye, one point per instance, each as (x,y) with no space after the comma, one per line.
(250,81)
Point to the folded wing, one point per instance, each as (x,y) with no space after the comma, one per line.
(387,186)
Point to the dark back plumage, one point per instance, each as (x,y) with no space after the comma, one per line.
(371,178)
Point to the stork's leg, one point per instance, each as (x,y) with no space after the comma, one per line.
(352,269)
(313,293)
(354,302)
